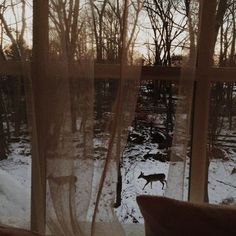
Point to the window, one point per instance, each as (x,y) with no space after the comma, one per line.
(57,180)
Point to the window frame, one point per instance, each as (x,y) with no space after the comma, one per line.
(204,75)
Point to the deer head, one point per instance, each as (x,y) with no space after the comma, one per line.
(141,175)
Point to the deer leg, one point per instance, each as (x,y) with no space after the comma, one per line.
(145,185)
(162,184)
(151,184)
(164,181)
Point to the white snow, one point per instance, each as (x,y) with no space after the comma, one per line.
(14,201)
(15,187)
(15,182)
(222,184)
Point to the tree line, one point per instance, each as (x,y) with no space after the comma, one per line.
(76,28)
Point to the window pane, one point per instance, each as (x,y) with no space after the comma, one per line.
(222,144)
(148,147)
(15,141)
(225,34)
(222,122)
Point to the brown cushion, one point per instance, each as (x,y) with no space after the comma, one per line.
(10,231)
(169,217)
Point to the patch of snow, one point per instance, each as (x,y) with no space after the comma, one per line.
(14,201)
(221,183)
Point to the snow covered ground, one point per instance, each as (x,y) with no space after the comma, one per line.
(15,182)
(133,164)
(221,183)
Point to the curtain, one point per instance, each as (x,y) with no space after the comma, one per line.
(84,105)
(177,179)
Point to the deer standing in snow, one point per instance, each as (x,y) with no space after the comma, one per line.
(152,178)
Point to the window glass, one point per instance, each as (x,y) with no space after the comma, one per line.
(225,34)
(222,144)
(15,140)
(222,122)
(148,147)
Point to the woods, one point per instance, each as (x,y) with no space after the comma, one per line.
(13,47)
(172,32)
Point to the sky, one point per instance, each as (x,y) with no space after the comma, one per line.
(13,18)
(145,33)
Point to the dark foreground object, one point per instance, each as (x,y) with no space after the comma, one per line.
(168,217)
(9,231)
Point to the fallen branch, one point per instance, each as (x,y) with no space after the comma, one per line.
(226,183)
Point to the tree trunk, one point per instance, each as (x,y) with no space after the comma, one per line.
(3,136)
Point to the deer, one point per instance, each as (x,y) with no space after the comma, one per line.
(154,177)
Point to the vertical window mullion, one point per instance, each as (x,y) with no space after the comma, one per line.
(199,162)
(39,77)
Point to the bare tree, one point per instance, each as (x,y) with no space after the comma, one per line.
(222,93)
(14,31)
(67,26)
(168,24)
(107,23)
